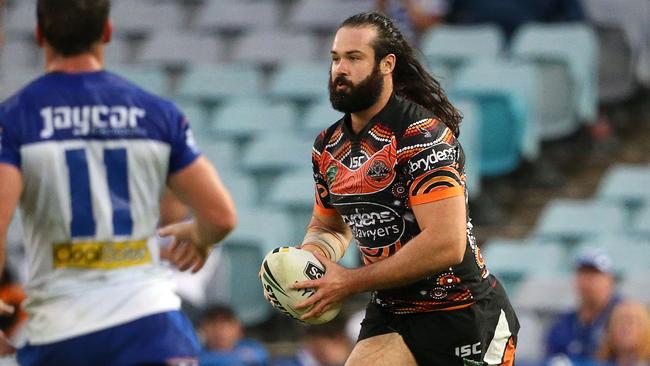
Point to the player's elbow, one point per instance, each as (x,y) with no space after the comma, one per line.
(225,221)
(456,250)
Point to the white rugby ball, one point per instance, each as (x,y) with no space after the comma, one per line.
(284,266)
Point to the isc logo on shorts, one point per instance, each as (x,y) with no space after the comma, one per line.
(468,350)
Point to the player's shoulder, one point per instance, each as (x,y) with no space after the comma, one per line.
(417,122)
(325,135)
(145,97)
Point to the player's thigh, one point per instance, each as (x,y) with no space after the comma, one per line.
(382,350)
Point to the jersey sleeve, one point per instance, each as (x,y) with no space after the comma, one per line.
(183,146)
(9,142)
(322,194)
(433,160)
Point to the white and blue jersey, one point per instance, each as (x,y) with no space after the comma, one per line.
(95,152)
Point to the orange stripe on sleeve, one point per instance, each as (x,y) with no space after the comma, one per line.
(436,195)
(325,211)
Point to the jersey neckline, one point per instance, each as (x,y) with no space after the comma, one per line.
(381,115)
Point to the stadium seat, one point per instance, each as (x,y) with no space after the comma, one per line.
(241,186)
(246,296)
(626,184)
(144,17)
(470,139)
(117,52)
(503,114)
(319,116)
(15,80)
(177,49)
(244,118)
(20,54)
(21,20)
(272,47)
(572,221)
(553,47)
(628,256)
(635,286)
(152,79)
(301,82)
(236,16)
(530,340)
(265,227)
(513,77)
(199,118)
(224,154)
(294,189)
(326,16)
(455,45)
(546,293)
(217,83)
(641,223)
(277,152)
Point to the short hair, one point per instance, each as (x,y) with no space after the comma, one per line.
(72,27)
(218,312)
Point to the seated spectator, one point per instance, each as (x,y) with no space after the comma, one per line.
(224,343)
(510,14)
(413,17)
(578,334)
(322,345)
(627,342)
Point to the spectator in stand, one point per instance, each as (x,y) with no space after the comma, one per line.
(323,345)
(510,14)
(414,17)
(224,343)
(578,334)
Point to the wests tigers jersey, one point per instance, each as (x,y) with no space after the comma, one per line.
(403,157)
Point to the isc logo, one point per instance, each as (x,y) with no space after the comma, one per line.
(313,272)
(468,350)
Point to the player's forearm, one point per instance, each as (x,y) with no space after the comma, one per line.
(425,255)
(330,240)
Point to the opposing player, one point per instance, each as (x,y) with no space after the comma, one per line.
(88,156)
(390,173)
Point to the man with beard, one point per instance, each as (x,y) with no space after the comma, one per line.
(390,173)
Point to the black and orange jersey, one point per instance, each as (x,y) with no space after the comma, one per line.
(403,157)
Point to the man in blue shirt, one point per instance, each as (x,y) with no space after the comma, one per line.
(578,334)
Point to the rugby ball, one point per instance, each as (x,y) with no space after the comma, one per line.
(281,268)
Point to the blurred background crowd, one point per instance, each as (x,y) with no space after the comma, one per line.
(556,100)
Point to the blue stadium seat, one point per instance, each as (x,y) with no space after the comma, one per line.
(470,139)
(573,221)
(504,117)
(626,184)
(178,49)
(217,83)
(272,47)
(301,82)
(319,116)
(236,16)
(454,45)
(567,54)
(244,118)
(152,79)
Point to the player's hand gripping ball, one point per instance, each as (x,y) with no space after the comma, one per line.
(284,266)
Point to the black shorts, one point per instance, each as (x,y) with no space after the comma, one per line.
(484,333)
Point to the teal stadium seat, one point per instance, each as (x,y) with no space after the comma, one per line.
(319,116)
(20,54)
(325,16)
(20,20)
(177,49)
(513,260)
(264,226)
(150,78)
(470,139)
(573,221)
(146,17)
(241,186)
(244,118)
(627,184)
(232,16)
(641,223)
(567,56)
(503,115)
(272,47)
(224,154)
(277,152)
(454,46)
(300,82)
(218,83)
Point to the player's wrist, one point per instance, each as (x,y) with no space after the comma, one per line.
(314,248)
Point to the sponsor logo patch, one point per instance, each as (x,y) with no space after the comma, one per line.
(101,255)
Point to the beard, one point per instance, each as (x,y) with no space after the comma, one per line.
(358,97)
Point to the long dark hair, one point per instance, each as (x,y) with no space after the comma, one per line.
(410,78)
